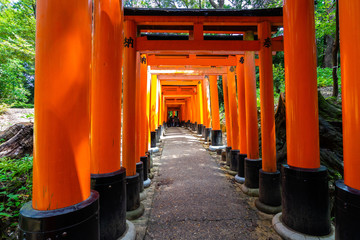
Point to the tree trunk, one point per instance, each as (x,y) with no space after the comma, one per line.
(335,54)
(220,4)
(330,133)
(18,141)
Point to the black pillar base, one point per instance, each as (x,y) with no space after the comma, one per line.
(157,135)
(203,131)
(79,221)
(234,160)
(112,190)
(252,167)
(347,212)
(207,134)
(269,188)
(228,155)
(140,171)
(241,165)
(148,155)
(160,131)
(132,192)
(216,138)
(195,126)
(305,200)
(144,160)
(153,139)
(199,128)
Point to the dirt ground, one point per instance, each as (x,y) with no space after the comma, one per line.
(15,115)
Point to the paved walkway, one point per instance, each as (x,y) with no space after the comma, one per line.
(195,200)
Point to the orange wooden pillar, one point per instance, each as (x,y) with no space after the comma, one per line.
(164,112)
(240,76)
(214,99)
(196,107)
(106,118)
(206,103)
(252,163)
(143,105)
(137,111)
(216,133)
(157,112)
(227,119)
(148,111)
(303,175)
(61,173)
(234,118)
(193,113)
(206,112)
(268,140)
(251,103)
(129,104)
(143,125)
(139,154)
(227,110)
(106,95)
(269,176)
(153,119)
(348,191)
(200,108)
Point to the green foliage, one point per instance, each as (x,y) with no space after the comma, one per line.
(325,18)
(279,78)
(15,190)
(3,108)
(29,116)
(325,25)
(324,77)
(22,105)
(17,50)
(205,4)
(220,93)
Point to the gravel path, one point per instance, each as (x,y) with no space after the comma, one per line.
(195,200)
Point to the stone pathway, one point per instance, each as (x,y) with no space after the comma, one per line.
(195,199)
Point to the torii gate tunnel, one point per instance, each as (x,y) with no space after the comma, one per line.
(159,61)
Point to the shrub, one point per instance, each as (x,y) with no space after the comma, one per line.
(15,190)
(324,77)
(3,108)
(22,105)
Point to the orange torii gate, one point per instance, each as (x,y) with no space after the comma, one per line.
(63,203)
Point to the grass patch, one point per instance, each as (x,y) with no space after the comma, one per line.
(325,78)
(15,190)
(3,108)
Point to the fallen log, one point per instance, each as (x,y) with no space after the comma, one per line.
(17,141)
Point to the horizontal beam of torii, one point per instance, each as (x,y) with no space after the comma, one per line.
(193,60)
(187,70)
(183,82)
(179,90)
(203,47)
(178,96)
